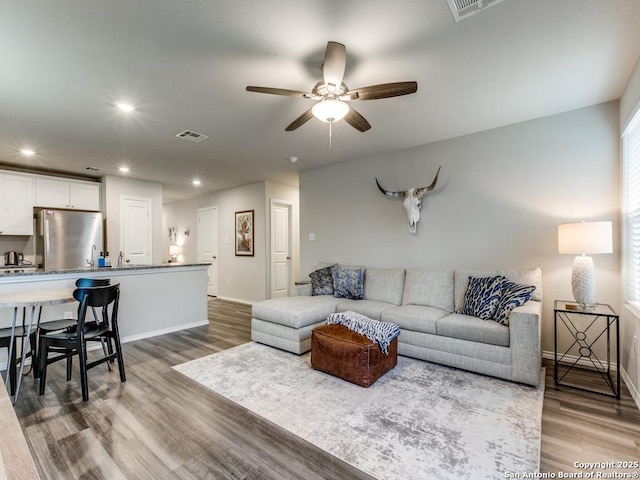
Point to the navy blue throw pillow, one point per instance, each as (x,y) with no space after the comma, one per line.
(513,295)
(348,283)
(482,297)
(322,281)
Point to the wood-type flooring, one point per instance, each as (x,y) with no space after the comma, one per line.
(161,425)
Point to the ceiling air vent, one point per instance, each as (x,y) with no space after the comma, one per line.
(462,9)
(192,136)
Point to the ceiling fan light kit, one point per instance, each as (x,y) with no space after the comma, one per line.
(330,110)
(331,94)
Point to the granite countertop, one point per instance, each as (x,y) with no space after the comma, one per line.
(82,270)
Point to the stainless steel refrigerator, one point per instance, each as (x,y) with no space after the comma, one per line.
(68,239)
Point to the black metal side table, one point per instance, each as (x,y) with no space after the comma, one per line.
(590,332)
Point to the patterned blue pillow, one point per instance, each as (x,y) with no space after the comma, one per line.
(513,295)
(482,297)
(348,283)
(322,281)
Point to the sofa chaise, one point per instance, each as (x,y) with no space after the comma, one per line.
(431,306)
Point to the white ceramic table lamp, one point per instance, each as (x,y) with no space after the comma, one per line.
(585,238)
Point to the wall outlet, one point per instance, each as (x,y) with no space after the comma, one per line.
(312,237)
(67,315)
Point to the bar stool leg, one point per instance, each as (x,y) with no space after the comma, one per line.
(24,354)
(11,343)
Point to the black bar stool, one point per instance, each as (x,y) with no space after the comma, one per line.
(70,342)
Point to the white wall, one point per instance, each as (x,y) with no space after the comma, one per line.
(239,278)
(112,189)
(499,199)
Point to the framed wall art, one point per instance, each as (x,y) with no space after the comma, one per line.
(244,233)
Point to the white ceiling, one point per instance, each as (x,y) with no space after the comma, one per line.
(185,65)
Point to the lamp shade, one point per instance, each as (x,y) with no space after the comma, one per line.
(330,110)
(585,238)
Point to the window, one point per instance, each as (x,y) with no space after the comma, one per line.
(631,220)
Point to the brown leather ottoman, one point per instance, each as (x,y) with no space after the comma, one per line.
(345,354)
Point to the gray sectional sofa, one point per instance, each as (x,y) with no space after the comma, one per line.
(423,303)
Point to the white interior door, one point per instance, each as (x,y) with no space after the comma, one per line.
(280,248)
(135,230)
(208,245)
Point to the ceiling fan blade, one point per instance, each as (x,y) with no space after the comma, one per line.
(278,91)
(335,59)
(357,121)
(384,90)
(301,120)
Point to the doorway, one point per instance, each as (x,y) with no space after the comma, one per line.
(280,254)
(135,233)
(208,245)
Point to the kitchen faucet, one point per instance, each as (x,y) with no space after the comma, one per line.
(91,262)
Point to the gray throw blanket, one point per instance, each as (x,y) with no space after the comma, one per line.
(380,332)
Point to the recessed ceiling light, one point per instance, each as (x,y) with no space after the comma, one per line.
(124,169)
(293,159)
(197,182)
(125,107)
(27,152)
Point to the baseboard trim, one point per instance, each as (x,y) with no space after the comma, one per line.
(572,358)
(630,386)
(163,331)
(238,300)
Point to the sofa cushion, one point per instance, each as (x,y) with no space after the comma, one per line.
(482,297)
(384,285)
(322,281)
(513,295)
(417,318)
(295,312)
(430,287)
(466,327)
(529,276)
(348,282)
(368,308)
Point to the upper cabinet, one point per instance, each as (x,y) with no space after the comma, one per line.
(61,193)
(20,192)
(16,204)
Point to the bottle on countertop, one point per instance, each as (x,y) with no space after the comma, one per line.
(101,260)
(120,257)
(107,260)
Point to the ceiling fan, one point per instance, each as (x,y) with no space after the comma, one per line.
(331,94)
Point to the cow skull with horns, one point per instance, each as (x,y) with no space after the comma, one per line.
(412,200)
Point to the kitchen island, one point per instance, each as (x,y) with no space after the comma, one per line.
(154,299)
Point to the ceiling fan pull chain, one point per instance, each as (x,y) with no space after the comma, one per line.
(330,133)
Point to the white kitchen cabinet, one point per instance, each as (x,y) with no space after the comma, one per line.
(84,196)
(16,204)
(61,193)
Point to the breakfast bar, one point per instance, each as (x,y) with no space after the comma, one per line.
(154,299)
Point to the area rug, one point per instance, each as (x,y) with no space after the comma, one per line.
(418,421)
